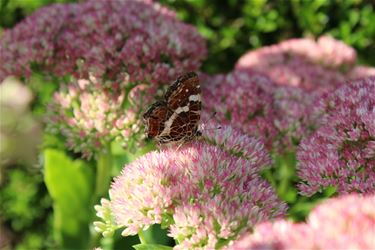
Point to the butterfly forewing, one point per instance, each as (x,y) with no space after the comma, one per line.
(176,118)
(185,88)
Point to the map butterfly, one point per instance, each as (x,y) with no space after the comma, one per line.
(175,118)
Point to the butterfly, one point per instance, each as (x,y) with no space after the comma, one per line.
(176,117)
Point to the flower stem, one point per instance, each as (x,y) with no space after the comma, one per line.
(142,237)
(103,173)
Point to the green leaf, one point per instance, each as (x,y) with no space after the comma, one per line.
(156,235)
(70,184)
(151,247)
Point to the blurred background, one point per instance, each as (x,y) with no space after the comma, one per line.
(230,27)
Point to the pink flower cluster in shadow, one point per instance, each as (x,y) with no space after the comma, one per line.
(116,54)
(103,38)
(274,92)
(244,100)
(206,193)
(249,101)
(341,153)
(339,223)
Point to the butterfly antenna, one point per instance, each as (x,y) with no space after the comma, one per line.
(213,114)
(209,119)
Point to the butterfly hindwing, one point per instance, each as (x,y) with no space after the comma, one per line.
(176,118)
(155,118)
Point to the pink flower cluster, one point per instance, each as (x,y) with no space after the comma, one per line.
(207,193)
(119,47)
(249,101)
(274,91)
(296,116)
(341,153)
(103,38)
(245,101)
(310,65)
(90,114)
(342,223)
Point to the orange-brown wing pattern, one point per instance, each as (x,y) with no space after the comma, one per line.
(154,119)
(176,118)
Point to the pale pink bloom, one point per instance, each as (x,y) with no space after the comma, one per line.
(345,223)
(90,116)
(311,65)
(339,223)
(203,191)
(361,71)
(278,235)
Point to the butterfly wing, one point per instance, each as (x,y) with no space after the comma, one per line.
(155,118)
(184,98)
(176,118)
(185,87)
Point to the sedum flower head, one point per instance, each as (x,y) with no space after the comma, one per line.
(90,114)
(340,223)
(295,117)
(245,101)
(345,222)
(280,115)
(341,153)
(203,192)
(104,38)
(310,65)
(238,144)
(276,235)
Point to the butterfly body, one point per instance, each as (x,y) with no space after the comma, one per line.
(176,117)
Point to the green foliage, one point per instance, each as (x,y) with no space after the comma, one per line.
(235,26)
(12,11)
(25,207)
(156,235)
(151,247)
(70,184)
(283,177)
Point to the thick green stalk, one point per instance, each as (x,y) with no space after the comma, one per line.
(142,237)
(103,173)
